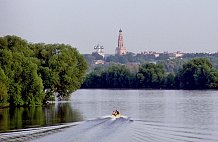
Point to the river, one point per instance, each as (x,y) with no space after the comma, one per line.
(148,115)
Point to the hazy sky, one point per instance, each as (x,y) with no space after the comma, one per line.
(157,25)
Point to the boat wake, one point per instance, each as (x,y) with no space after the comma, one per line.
(103,129)
(107,128)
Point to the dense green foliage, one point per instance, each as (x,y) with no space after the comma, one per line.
(31,74)
(198,73)
(150,75)
(61,68)
(116,76)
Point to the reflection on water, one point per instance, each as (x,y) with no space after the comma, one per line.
(18,118)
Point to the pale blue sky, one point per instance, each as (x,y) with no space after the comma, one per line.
(157,25)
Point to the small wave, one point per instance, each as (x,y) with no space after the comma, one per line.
(170,132)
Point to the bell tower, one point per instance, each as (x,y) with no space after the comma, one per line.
(120,50)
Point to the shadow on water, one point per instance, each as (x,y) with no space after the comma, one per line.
(27,117)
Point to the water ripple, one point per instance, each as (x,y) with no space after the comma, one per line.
(107,129)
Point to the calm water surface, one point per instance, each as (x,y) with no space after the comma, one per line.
(193,108)
(152,115)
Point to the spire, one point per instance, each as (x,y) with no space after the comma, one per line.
(120,50)
(120,40)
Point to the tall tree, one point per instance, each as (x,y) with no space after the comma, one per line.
(24,86)
(62,69)
(34,73)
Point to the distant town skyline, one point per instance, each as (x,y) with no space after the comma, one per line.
(147,25)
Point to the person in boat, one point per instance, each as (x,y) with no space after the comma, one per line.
(115,113)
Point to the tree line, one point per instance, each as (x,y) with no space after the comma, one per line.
(198,73)
(34,73)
